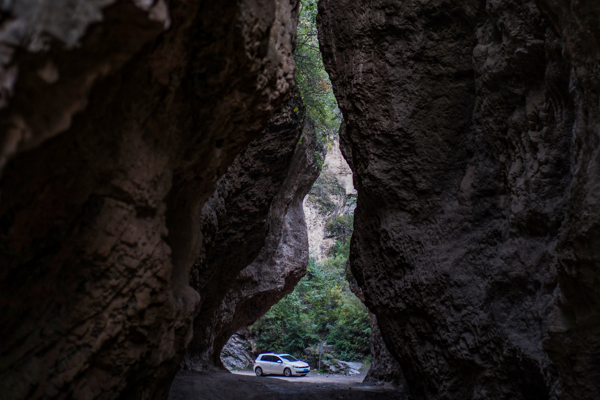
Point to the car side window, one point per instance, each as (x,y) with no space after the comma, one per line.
(268,358)
(277,359)
(264,358)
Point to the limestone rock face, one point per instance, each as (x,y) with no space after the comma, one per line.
(117,120)
(473,134)
(331,196)
(237,353)
(255,242)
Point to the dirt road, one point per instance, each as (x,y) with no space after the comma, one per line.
(313,378)
(245,386)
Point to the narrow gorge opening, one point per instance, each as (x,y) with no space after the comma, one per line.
(145,142)
(322,309)
(322,312)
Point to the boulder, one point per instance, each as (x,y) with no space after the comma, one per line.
(237,353)
(349,368)
(335,366)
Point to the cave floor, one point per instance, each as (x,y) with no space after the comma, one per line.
(244,386)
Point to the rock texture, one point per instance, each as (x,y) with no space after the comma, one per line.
(573,341)
(333,195)
(384,368)
(473,134)
(254,223)
(237,353)
(336,165)
(113,132)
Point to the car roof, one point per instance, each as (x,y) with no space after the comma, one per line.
(274,354)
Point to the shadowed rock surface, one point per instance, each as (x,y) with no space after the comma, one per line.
(113,133)
(254,223)
(473,134)
(384,368)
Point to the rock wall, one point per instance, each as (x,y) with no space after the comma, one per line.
(384,368)
(117,119)
(573,341)
(332,195)
(473,134)
(237,353)
(255,244)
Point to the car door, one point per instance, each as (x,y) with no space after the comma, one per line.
(265,364)
(277,366)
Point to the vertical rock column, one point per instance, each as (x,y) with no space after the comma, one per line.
(574,326)
(474,146)
(254,223)
(117,119)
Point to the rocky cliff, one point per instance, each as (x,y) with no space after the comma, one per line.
(117,119)
(255,246)
(473,133)
(333,195)
(384,368)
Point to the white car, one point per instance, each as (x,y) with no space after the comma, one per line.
(280,364)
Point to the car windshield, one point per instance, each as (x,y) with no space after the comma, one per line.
(289,358)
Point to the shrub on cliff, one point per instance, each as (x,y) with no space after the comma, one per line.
(340,227)
(322,112)
(323,192)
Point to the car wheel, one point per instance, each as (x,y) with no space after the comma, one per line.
(258,371)
(287,372)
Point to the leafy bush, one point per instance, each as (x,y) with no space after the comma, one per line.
(340,227)
(322,191)
(351,333)
(322,111)
(321,308)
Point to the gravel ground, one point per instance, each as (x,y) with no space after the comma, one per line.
(312,378)
(245,386)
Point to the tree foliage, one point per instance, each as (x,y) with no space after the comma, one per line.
(320,309)
(340,227)
(322,111)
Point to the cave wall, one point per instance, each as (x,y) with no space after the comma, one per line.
(573,341)
(117,119)
(472,131)
(283,259)
(254,244)
(384,368)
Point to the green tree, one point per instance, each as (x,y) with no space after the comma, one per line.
(321,308)
(313,81)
